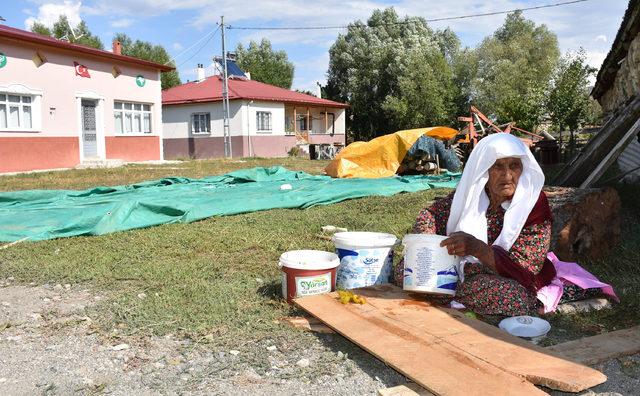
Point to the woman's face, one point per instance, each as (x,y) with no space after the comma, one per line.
(503,178)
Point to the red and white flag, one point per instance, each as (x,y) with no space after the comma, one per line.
(81,70)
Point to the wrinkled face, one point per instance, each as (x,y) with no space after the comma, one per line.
(503,178)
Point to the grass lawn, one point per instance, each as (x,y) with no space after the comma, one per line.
(220,276)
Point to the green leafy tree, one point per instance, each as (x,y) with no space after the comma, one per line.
(148,51)
(265,64)
(569,104)
(62,29)
(394,72)
(425,91)
(515,66)
(40,28)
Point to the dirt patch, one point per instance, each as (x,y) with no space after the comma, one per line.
(49,344)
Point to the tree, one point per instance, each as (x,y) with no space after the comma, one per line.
(568,102)
(265,64)
(394,73)
(154,53)
(62,30)
(425,91)
(515,67)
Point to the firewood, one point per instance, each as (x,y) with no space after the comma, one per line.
(586,222)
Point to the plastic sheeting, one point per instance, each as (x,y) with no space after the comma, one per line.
(381,156)
(48,214)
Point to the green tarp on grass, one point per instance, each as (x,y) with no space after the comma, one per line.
(48,214)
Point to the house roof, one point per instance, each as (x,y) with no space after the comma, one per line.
(30,37)
(629,29)
(210,90)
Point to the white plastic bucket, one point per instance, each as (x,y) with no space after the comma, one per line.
(307,272)
(428,267)
(366,258)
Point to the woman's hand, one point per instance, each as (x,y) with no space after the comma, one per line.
(462,244)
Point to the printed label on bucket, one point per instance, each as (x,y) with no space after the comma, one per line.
(310,285)
(424,271)
(364,267)
(284,285)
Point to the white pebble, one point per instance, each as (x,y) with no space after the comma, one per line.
(304,362)
(272,348)
(120,347)
(234,352)
(142,296)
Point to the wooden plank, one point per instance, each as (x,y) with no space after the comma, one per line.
(410,389)
(311,324)
(485,342)
(435,365)
(596,349)
(612,155)
(574,172)
(457,334)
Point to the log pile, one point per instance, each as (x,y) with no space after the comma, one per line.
(586,222)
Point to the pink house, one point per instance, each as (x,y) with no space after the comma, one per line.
(265,120)
(63,104)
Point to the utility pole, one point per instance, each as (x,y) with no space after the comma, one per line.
(225,97)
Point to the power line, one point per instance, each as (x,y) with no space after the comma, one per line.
(200,49)
(409,22)
(210,35)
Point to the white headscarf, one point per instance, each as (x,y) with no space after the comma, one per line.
(470,201)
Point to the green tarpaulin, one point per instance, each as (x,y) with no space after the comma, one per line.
(48,214)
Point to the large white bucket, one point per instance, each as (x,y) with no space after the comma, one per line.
(366,258)
(428,267)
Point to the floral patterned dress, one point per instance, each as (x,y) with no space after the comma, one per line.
(484,290)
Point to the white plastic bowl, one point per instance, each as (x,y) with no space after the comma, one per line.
(525,326)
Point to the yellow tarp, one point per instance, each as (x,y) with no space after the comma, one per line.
(381,156)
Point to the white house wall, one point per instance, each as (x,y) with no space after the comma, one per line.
(54,141)
(246,140)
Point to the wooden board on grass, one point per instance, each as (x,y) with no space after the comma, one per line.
(443,350)
(601,347)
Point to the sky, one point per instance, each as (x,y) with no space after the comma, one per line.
(181,25)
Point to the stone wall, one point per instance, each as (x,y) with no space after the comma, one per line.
(627,81)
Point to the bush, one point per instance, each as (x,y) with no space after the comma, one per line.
(294,151)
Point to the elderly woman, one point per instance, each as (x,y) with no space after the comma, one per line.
(499,222)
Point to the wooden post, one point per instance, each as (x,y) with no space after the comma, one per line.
(326,121)
(295,121)
(308,120)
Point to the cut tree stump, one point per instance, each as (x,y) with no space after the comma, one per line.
(586,221)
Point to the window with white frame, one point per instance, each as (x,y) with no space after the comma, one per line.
(132,117)
(16,111)
(201,123)
(263,121)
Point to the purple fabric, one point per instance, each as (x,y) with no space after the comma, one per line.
(572,273)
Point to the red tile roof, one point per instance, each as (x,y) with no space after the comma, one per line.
(30,37)
(210,90)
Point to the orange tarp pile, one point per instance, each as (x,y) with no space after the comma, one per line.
(381,156)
